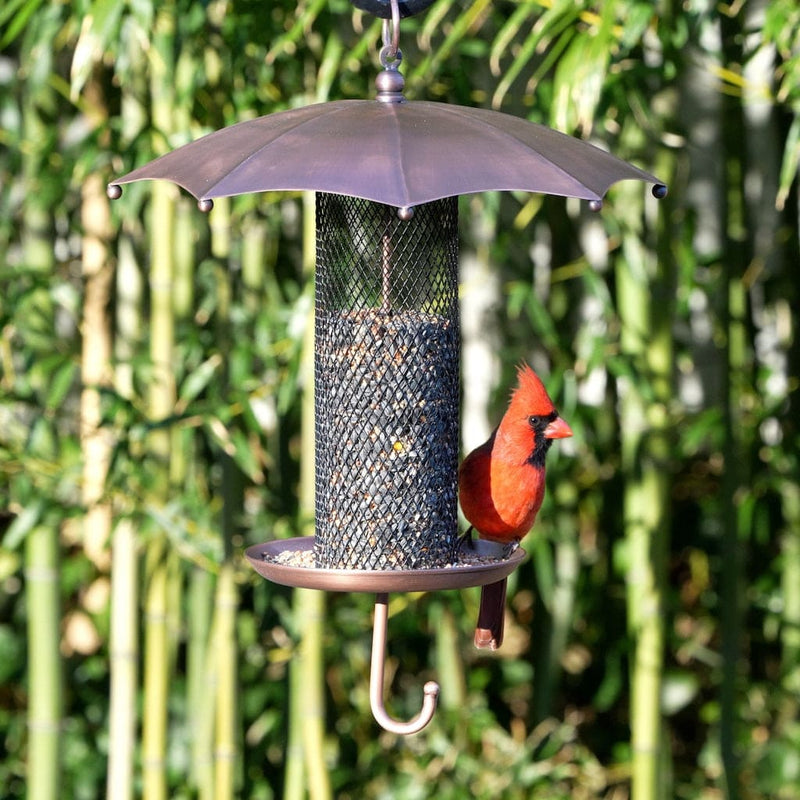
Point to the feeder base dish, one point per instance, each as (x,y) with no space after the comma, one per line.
(264,559)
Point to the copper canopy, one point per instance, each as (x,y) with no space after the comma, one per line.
(400,153)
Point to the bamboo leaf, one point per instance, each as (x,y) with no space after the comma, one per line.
(508,32)
(197,381)
(19,12)
(98,28)
(62,381)
(23,523)
(542,558)
(791,163)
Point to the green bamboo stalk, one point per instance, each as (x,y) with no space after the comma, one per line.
(790,622)
(42,543)
(225,749)
(553,635)
(311,604)
(643,299)
(226,603)
(307,705)
(182,449)
(449,662)
(161,402)
(156,673)
(124,629)
(255,255)
(123,650)
(199,652)
(294,787)
(734,534)
(95,364)
(44,663)
(790,584)
(735,485)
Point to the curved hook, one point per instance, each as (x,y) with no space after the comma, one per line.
(431,688)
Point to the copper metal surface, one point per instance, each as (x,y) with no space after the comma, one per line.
(399,153)
(377,581)
(430,692)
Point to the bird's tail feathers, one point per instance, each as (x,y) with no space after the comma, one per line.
(491,617)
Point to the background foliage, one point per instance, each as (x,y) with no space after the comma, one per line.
(153,414)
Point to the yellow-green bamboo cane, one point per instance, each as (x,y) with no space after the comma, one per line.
(44,663)
(225,750)
(123,652)
(790,582)
(201,680)
(558,612)
(95,366)
(226,601)
(646,343)
(161,403)
(311,603)
(124,629)
(307,684)
(42,543)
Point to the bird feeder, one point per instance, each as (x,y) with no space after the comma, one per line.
(387,173)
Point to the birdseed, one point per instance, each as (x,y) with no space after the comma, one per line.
(386,491)
(306,559)
(386,384)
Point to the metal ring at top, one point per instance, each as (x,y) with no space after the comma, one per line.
(391,34)
(390,59)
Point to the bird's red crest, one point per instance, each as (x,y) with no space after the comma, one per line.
(530,393)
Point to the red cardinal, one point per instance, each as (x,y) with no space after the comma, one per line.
(501,485)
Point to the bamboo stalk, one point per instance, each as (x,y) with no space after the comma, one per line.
(311,604)
(124,630)
(551,642)
(225,750)
(790,583)
(307,706)
(156,674)
(294,787)
(734,535)
(644,309)
(254,260)
(226,603)
(123,650)
(42,543)
(44,663)
(449,663)
(161,402)
(95,366)
(200,649)
(735,486)
(790,622)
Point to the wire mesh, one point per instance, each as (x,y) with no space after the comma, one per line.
(386,384)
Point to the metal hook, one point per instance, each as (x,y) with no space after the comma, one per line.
(431,688)
(391,41)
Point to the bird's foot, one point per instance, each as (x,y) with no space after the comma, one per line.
(509,549)
(465,541)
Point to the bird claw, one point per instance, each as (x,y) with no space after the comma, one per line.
(509,549)
(465,540)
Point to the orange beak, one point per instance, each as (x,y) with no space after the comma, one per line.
(557,429)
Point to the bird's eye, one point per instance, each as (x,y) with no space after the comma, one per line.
(534,421)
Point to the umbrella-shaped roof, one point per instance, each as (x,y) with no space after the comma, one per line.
(401,153)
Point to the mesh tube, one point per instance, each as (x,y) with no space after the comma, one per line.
(386,384)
